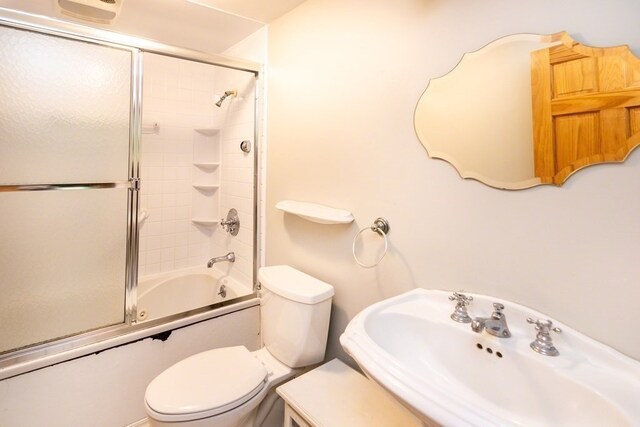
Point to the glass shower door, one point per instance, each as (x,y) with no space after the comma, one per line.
(65,108)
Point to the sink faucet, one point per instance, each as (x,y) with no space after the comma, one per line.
(495,325)
(543,343)
(231,257)
(460,314)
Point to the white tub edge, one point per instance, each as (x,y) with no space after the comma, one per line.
(53,359)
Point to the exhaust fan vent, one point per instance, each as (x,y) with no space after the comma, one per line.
(100,11)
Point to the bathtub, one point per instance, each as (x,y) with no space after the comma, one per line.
(183,290)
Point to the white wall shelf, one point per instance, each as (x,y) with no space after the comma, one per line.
(315,213)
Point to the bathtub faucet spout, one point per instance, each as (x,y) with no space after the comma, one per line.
(231,257)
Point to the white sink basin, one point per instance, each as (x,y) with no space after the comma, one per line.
(448,374)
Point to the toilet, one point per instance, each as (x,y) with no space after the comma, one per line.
(226,387)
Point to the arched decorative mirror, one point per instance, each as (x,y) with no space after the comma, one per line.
(531,109)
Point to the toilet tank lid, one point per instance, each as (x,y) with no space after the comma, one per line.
(295,285)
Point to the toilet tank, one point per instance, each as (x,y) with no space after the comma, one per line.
(294,311)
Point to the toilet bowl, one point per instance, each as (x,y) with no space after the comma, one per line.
(216,388)
(226,387)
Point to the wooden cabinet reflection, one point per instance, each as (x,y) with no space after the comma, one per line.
(586,106)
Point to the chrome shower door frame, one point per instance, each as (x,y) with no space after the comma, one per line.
(132,182)
(58,350)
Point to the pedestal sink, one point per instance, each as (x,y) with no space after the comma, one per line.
(449,375)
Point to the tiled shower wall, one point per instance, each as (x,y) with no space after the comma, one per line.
(237,168)
(179,96)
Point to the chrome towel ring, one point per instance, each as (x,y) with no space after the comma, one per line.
(380,226)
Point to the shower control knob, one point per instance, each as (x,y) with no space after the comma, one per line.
(232,224)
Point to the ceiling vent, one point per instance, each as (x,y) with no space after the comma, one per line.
(100,11)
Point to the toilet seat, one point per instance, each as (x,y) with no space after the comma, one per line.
(205,384)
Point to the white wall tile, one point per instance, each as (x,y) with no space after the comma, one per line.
(238,174)
(242,204)
(179,97)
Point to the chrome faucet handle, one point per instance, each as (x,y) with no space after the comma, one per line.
(460,313)
(543,343)
(460,298)
(497,307)
(543,326)
(228,225)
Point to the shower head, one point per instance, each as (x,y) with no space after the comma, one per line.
(227,94)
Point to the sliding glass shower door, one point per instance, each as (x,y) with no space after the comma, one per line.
(65,186)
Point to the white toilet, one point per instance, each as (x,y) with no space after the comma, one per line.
(225,387)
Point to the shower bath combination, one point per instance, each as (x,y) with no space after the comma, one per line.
(230,93)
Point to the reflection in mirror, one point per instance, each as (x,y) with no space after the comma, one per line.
(528,109)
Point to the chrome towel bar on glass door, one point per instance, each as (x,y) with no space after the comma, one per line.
(69,186)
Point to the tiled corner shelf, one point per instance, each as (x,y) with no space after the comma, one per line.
(207,165)
(206,176)
(206,187)
(205,222)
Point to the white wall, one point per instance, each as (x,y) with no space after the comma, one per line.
(344,81)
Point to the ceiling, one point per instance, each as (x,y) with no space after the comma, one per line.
(207,25)
(258,10)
